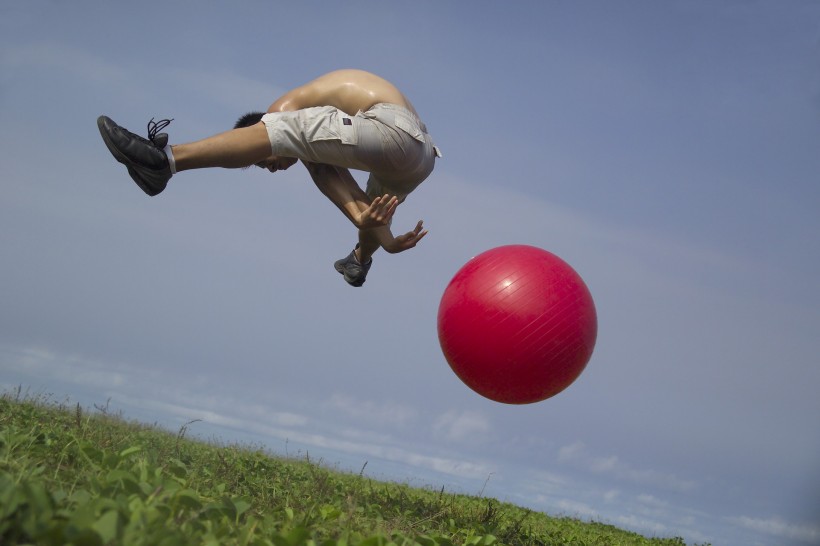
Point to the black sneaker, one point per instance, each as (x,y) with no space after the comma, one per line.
(147,163)
(354,272)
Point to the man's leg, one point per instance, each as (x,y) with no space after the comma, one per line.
(340,186)
(231,149)
(368,245)
(355,265)
(151,167)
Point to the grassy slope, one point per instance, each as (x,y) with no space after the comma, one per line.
(71,477)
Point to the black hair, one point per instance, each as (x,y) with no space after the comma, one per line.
(251,118)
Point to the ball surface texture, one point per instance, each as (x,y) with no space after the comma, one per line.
(517,324)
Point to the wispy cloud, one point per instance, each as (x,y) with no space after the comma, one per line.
(460,426)
(574,495)
(217,85)
(73,369)
(650,500)
(128,385)
(778,527)
(689,219)
(389,450)
(372,412)
(578,456)
(225,88)
(576,509)
(53,56)
(611,495)
(300,430)
(635,522)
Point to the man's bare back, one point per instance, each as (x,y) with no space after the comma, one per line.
(350,91)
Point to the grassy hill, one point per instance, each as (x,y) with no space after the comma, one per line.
(72,477)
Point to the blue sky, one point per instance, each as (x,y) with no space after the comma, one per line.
(666,150)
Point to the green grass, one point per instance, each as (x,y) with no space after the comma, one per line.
(68,476)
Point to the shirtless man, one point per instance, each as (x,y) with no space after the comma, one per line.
(347,119)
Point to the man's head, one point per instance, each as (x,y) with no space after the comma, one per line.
(272,163)
(251,118)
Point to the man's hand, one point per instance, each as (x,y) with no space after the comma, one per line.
(379,213)
(406,241)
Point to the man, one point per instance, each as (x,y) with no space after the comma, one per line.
(347,119)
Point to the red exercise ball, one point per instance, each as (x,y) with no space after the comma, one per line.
(517,324)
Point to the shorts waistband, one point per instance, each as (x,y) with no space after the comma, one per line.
(390,106)
(400,109)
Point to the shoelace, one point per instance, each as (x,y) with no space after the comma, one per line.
(155,127)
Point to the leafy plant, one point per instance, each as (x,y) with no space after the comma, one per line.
(68,476)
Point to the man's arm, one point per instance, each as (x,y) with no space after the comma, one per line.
(341,188)
(337,183)
(371,239)
(373,219)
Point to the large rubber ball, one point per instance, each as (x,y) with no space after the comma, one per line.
(517,324)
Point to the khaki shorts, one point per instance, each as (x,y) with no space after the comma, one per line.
(388,141)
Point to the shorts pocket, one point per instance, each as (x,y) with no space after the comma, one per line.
(327,123)
(347,129)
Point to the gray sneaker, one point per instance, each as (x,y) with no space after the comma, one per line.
(354,272)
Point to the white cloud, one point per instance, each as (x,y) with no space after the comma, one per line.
(230,90)
(371,412)
(641,512)
(549,480)
(577,455)
(218,86)
(73,369)
(611,495)
(51,56)
(653,477)
(460,426)
(363,435)
(659,292)
(129,385)
(604,464)
(644,524)
(283,418)
(289,427)
(570,452)
(652,501)
(455,467)
(218,411)
(778,527)
(577,509)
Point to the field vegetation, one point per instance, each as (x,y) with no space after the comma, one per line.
(85,477)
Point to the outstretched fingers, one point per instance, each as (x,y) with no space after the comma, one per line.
(380,212)
(418,232)
(385,207)
(410,239)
